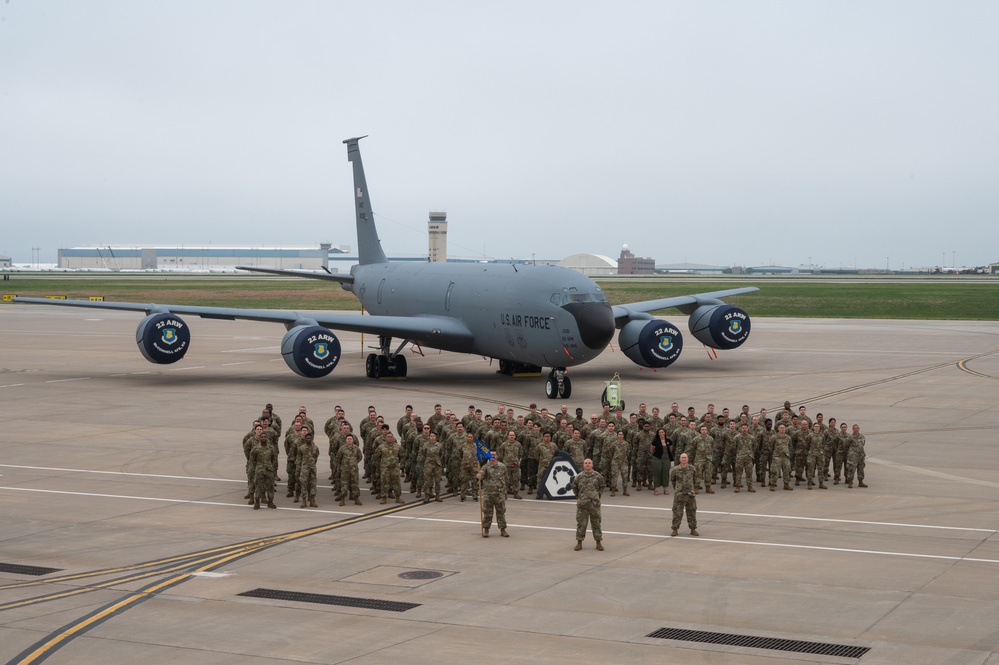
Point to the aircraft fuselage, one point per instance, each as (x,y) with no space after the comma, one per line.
(523,313)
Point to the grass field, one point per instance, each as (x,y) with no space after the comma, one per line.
(927,298)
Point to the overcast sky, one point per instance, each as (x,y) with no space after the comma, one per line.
(845,133)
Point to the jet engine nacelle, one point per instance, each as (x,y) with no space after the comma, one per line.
(310,351)
(654,343)
(720,326)
(163,338)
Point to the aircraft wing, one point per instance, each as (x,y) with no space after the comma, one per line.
(418,328)
(310,274)
(686,304)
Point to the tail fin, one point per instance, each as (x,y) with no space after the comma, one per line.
(369,247)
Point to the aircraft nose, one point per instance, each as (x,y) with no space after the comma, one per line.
(595,322)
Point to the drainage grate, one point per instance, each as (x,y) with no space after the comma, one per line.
(18,569)
(730,639)
(421,574)
(323,599)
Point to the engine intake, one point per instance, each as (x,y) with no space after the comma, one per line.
(310,351)
(720,326)
(163,338)
(654,343)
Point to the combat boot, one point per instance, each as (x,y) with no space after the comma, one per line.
(811,485)
(797,481)
(384,500)
(485,533)
(625,492)
(788,487)
(751,488)
(270,503)
(697,490)
(849,484)
(357,502)
(693,532)
(736,490)
(298,497)
(822,485)
(861,483)
(836,481)
(438,499)
(613,492)
(304,503)
(341,502)
(516,495)
(256,504)
(674,532)
(250,502)
(773,488)
(579,545)
(398,499)
(504,533)
(600,546)
(312,502)
(426,499)
(709,490)
(724,484)
(290,494)
(249,495)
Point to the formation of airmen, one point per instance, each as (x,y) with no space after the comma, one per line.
(636,450)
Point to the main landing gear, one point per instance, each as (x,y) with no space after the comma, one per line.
(386,364)
(558,385)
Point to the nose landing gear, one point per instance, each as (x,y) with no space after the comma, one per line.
(558,385)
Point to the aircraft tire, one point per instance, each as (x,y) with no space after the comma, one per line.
(504,367)
(369,365)
(400,366)
(551,387)
(566,388)
(382,367)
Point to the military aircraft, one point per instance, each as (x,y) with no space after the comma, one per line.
(524,316)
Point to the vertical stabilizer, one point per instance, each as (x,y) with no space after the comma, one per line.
(369,247)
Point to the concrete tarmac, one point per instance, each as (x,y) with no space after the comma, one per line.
(128,479)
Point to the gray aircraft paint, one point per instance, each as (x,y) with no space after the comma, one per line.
(533,315)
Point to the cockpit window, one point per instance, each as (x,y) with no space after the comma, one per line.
(573,295)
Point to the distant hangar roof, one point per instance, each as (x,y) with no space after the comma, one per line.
(590,264)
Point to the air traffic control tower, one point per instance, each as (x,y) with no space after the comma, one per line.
(437,237)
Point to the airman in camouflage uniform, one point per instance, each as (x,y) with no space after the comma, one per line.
(685,479)
(781,464)
(305,457)
(856,458)
(703,458)
(248,440)
(262,465)
(510,453)
(433,467)
(745,444)
(619,452)
(494,477)
(588,486)
(545,451)
(389,467)
(576,448)
(814,456)
(469,465)
(348,457)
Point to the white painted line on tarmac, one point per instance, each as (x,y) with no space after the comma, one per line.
(119,473)
(184,369)
(79,378)
(570,504)
(912,555)
(12,385)
(244,362)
